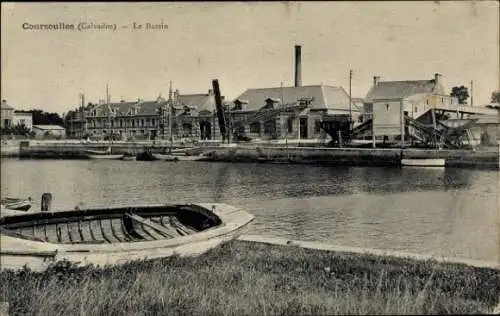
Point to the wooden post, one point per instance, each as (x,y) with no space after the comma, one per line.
(46,202)
(402,123)
(434,126)
(374,145)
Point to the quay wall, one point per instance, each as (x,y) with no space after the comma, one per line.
(307,155)
(9,148)
(488,157)
(78,149)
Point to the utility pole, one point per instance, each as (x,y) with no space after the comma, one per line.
(471,93)
(107,105)
(350,99)
(402,123)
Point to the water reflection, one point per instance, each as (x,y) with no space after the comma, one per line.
(452,212)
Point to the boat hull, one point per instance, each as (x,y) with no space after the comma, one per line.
(164,157)
(38,255)
(191,158)
(435,162)
(16,204)
(92,156)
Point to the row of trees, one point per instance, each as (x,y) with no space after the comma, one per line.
(462,94)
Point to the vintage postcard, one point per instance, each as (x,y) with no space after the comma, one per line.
(250,158)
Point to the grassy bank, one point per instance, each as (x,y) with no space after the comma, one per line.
(241,278)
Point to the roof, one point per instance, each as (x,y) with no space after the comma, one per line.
(323,97)
(401,89)
(49,127)
(197,102)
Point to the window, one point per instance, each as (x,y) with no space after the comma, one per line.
(255,128)
(387,107)
(427,101)
(269,104)
(317,126)
(142,122)
(289,124)
(416,109)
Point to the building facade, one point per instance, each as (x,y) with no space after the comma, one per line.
(24,119)
(290,112)
(188,117)
(389,102)
(7,115)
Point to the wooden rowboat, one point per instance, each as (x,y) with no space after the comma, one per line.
(18,204)
(116,235)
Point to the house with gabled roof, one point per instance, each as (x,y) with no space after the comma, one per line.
(294,112)
(388,102)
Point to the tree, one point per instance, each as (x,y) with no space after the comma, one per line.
(461,93)
(43,118)
(495,97)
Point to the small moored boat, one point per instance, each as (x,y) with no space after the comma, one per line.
(117,156)
(102,154)
(150,156)
(18,204)
(191,158)
(424,162)
(107,236)
(127,157)
(164,157)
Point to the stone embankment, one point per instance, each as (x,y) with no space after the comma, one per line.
(487,157)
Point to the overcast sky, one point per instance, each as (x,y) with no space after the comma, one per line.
(244,45)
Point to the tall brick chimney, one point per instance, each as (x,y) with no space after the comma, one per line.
(298,66)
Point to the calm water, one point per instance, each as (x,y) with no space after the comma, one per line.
(450,212)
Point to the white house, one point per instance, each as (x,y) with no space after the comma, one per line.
(387,102)
(22,118)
